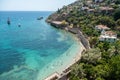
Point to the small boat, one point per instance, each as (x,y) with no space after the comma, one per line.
(8,21)
(19,25)
(39,18)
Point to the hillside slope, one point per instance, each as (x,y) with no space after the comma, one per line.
(101,62)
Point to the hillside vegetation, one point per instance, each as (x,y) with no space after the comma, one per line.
(102,61)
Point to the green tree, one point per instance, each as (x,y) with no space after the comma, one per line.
(117,47)
(106,21)
(118,22)
(117,1)
(91,56)
(58,11)
(100,46)
(106,46)
(117,14)
(93,41)
(114,64)
(77,72)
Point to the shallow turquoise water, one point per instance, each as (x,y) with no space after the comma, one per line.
(25,51)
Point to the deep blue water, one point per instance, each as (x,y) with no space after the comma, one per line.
(28,48)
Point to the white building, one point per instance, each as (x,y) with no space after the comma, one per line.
(108,36)
(101,27)
(84,8)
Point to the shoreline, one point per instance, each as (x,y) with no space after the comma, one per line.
(75,59)
(64,71)
(74,31)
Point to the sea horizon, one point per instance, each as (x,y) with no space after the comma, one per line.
(26,11)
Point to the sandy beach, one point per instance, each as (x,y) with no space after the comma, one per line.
(61,66)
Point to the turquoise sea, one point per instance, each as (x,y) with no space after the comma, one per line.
(27,52)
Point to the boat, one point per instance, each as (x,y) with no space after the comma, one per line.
(8,21)
(40,18)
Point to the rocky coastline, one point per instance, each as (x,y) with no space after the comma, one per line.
(75,31)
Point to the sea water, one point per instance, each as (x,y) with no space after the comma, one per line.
(30,51)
